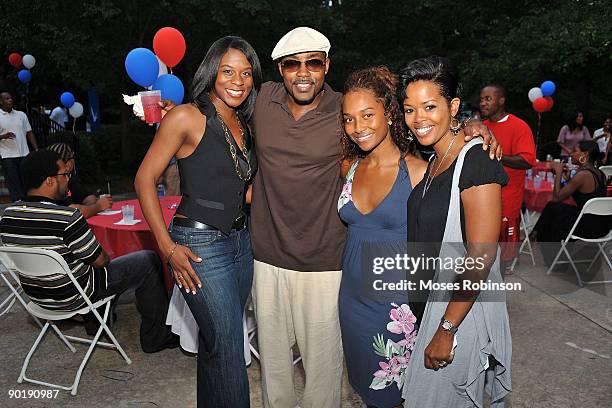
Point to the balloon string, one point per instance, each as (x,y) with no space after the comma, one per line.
(170,70)
(73,125)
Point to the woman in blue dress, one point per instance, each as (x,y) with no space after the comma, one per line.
(380,170)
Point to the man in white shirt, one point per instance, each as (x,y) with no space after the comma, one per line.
(602,137)
(15,132)
(59,116)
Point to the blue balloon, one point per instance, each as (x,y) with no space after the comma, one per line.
(548,88)
(142,66)
(24,76)
(171,88)
(67,99)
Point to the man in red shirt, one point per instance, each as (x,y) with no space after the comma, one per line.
(516,139)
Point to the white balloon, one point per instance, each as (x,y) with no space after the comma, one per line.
(534,93)
(76,110)
(163,69)
(28,61)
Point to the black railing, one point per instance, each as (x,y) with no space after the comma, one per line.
(48,131)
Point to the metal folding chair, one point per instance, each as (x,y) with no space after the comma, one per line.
(34,262)
(526,227)
(595,206)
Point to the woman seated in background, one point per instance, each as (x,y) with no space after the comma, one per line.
(572,133)
(557,217)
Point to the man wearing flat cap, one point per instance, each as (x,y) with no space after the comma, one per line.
(297,235)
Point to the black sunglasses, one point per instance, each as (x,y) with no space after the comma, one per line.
(313,65)
(67,175)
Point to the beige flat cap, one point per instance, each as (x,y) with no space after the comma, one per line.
(301,39)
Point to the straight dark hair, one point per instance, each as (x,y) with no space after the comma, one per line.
(205,76)
(571,121)
(438,70)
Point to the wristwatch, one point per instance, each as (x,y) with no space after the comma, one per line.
(447,325)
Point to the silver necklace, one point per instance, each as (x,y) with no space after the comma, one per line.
(431,176)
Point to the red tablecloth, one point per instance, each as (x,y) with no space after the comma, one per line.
(118,240)
(537,198)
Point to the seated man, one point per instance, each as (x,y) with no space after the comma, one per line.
(39,221)
(78,197)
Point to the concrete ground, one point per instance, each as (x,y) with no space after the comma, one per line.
(562,355)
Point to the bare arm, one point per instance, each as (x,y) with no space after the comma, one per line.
(482,209)
(101,260)
(516,162)
(32,139)
(172,138)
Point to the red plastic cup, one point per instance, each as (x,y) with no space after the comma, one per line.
(150,105)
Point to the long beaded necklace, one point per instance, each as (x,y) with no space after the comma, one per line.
(430,177)
(232,149)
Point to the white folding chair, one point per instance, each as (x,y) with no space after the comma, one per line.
(595,206)
(252,331)
(7,270)
(526,227)
(40,263)
(607,170)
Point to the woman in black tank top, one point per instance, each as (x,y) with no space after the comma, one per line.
(557,217)
(208,246)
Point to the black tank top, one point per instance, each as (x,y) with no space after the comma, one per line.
(599,191)
(212,191)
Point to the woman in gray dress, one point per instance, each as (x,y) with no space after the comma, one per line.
(464,341)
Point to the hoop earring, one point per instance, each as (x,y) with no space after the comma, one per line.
(455,128)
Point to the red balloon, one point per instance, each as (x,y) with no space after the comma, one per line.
(15,60)
(540,105)
(550,103)
(169,46)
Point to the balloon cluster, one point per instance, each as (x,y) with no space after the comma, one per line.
(541,98)
(150,70)
(74,108)
(28,61)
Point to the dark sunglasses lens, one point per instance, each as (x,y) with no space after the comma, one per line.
(291,65)
(315,65)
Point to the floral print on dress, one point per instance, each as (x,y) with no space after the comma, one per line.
(347,188)
(396,354)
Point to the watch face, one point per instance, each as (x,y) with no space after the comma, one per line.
(446,325)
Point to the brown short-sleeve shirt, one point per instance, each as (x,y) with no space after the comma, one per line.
(295,223)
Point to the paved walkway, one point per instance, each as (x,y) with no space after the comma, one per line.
(562,338)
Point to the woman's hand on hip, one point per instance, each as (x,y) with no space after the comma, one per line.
(184,275)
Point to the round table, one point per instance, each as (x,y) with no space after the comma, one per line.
(536,198)
(118,240)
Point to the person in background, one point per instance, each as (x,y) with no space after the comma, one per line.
(558,217)
(59,116)
(572,133)
(41,221)
(15,133)
(602,137)
(78,196)
(516,139)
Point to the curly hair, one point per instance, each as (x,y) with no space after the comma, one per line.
(383,84)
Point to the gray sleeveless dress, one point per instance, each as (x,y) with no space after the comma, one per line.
(484,350)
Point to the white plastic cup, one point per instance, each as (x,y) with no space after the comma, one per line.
(537,182)
(128,213)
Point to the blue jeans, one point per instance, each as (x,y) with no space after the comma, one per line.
(226,272)
(142,271)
